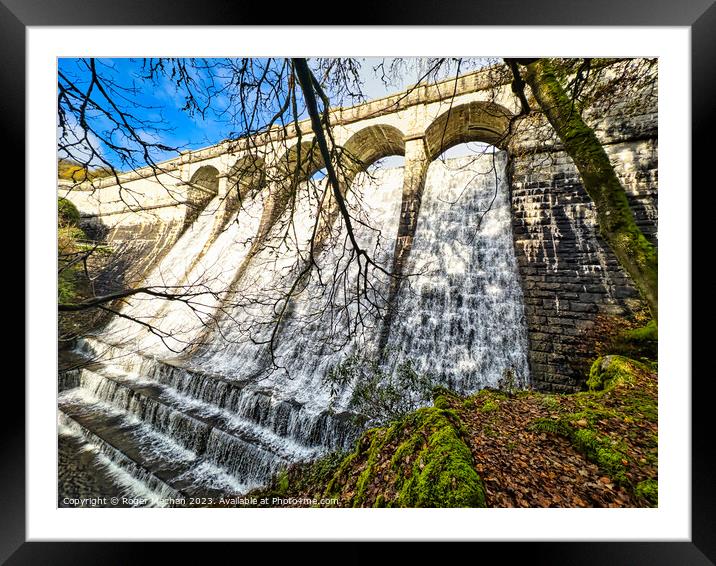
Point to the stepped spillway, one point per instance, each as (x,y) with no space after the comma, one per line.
(211,405)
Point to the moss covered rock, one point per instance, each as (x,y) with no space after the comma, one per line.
(434,456)
(609,371)
(421,460)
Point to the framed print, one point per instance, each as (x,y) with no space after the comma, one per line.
(315,288)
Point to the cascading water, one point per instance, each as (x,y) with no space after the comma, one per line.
(222,418)
(197,265)
(460,318)
(311,339)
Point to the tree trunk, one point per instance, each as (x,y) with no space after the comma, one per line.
(616,221)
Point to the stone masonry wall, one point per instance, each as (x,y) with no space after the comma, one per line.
(570,277)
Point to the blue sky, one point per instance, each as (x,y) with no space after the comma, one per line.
(161,102)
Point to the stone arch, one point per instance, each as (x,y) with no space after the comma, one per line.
(295,166)
(368,145)
(361,150)
(288,172)
(245,179)
(475,121)
(203,187)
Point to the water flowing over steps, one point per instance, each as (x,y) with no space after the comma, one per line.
(184,445)
(127,445)
(85,472)
(221,420)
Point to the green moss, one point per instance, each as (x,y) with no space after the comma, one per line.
(440,391)
(443,473)
(550,402)
(67,213)
(405,450)
(341,475)
(489,431)
(640,342)
(72,235)
(648,490)
(591,411)
(282,482)
(599,449)
(621,391)
(595,446)
(649,332)
(642,406)
(70,276)
(67,286)
(551,426)
(609,371)
(368,473)
(334,484)
(493,394)
(422,457)
(303,477)
(489,405)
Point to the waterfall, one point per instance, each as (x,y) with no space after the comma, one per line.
(309,342)
(197,266)
(460,317)
(250,396)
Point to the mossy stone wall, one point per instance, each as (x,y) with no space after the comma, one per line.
(569,275)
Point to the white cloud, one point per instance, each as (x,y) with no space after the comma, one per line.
(77,144)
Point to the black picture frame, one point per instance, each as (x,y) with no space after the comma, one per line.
(698,15)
